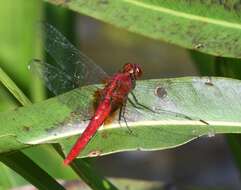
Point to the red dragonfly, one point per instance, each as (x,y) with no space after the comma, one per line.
(75,69)
(112,97)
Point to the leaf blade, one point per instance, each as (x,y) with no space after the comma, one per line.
(206,27)
(30,171)
(51,121)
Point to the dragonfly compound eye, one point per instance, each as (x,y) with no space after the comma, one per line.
(127,68)
(133,69)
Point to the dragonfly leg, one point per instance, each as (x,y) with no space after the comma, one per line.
(182,115)
(138,105)
(136,102)
(122,115)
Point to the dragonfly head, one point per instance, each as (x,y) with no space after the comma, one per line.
(133,69)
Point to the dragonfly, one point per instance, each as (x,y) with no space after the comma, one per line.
(74,69)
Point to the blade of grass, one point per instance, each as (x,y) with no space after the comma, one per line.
(94,180)
(9,178)
(53,165)
(30,171)
(13,88)
(86,172)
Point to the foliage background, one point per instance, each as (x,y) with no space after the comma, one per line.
(205,162)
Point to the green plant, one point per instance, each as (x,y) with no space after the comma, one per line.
(209,27)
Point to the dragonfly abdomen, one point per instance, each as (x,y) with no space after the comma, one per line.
(102,112)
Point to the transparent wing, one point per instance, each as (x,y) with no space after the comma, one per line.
(57,80)
(69,59)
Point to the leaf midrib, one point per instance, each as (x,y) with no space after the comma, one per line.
(141,123)
(185,15)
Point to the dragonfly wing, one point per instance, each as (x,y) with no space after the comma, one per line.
(56,79)
(77,65)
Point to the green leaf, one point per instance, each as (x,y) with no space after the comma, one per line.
(18,40)
(86,172)
(227,67)
(13,88)
(30,171)
(90,177)
(212,27)
(52,165)
(9,179)
(205,63)
(214,100)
